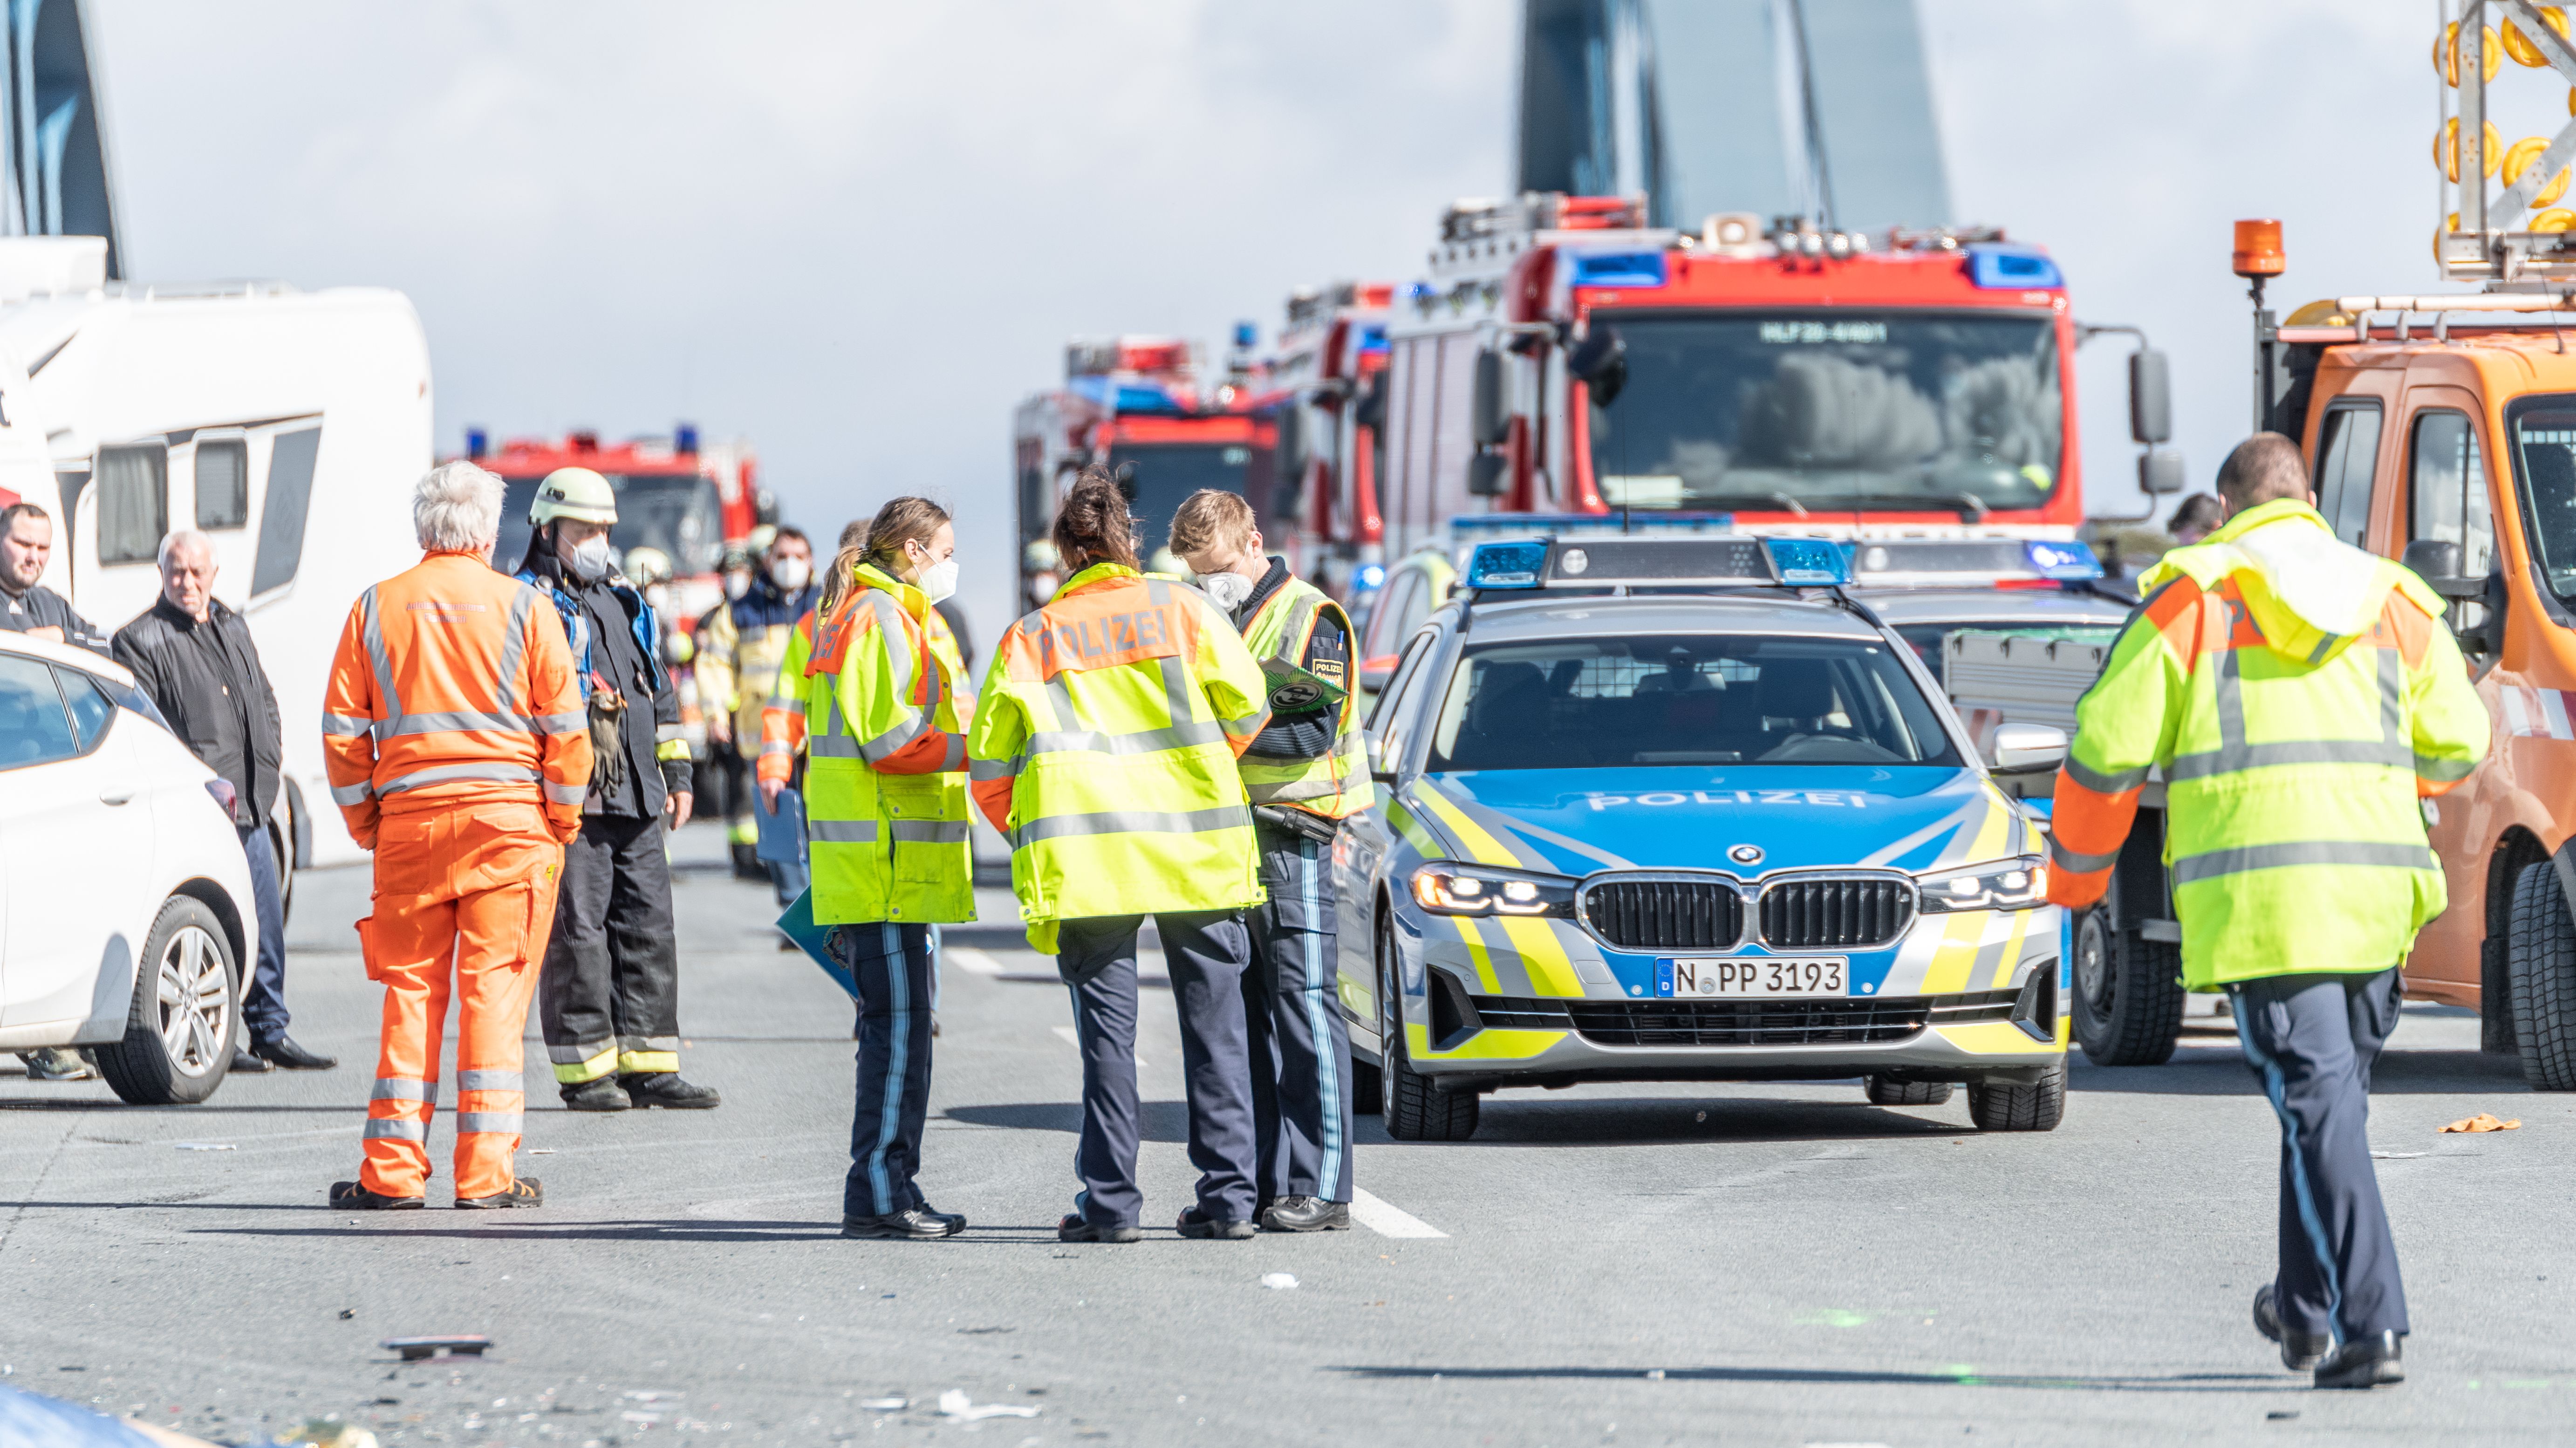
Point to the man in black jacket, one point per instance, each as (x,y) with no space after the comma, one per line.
(195,658)
(609,1000)
(26,606)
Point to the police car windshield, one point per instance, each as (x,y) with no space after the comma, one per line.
(1690,699)
(1834,411)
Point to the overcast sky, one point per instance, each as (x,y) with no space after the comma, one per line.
(857,233)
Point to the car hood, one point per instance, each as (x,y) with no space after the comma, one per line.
(1577,821)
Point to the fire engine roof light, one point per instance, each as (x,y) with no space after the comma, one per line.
(1373,338)
(2012,268)
(1620,269)
(1657,561)
(1970,562)
(1369,576)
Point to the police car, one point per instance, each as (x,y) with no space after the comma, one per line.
(1685,809)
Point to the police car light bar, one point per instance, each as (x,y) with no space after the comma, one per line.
(1968,562)
(1703,562)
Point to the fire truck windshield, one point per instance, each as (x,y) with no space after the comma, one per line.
(1167,472)
(677,513)
(1832,410)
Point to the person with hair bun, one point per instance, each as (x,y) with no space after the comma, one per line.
(885,809)
(1104,748)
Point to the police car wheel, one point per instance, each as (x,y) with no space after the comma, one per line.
(1883,1092)
(2128,998)
(2013,1106)
(1414,1109)
(2540,960)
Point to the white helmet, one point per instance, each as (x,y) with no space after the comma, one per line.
(575,493)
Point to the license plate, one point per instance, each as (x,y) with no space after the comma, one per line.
(1752,977)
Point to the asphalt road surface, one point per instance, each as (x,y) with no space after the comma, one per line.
(1772,1264)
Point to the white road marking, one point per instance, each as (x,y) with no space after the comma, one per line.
(1386,1219)
(968,958)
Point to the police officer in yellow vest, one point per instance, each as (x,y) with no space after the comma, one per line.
(1304,774)
(885,818)
(1104,746)
(2298,696)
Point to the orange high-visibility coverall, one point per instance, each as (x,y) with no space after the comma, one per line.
(458,749)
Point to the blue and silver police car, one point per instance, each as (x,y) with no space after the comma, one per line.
(1686,809)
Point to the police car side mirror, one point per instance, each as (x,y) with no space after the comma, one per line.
(2028,748)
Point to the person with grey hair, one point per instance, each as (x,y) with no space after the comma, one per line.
(194,656)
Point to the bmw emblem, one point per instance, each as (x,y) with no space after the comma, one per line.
(1745,854)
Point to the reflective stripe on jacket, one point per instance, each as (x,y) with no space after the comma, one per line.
(746,642)
(782,719)
(450,686)
(885,781)
(1104,746)
(1336,784)
(2298,696)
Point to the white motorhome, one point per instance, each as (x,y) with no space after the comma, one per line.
(288,425)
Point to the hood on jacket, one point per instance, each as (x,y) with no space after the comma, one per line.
(2311,593)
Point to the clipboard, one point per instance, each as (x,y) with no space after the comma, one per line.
(1294,689)
(782,834)
(816,941)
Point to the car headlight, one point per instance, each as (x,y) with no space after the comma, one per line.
(2001,885)
(1446,888)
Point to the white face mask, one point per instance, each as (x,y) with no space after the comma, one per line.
(592,559)
(791,574)
(1228,590)
(736,584)
(939,580)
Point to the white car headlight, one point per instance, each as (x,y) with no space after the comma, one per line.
(2020,884)
(1445,887)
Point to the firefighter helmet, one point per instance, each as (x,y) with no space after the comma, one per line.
(575,493)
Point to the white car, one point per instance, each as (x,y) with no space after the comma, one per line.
(115,850)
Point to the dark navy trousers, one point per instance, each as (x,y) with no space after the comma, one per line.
(1206,953)
(1300,1044)
(264,998)
(892,965)
(2311,1040)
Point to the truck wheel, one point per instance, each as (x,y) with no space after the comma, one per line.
(1414,1109)
(1883,1092)
(2128,999)
(2540,960)
(179,1034)
(2011,1106)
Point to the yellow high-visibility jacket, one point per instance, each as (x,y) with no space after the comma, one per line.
(2298,696)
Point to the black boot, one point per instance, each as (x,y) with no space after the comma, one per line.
(284,1054)
(244,1063)
(2300,1351)
(912,1224)
(666,1089)
(351,1197)
(603,1094)
(2365,1362)
(1305,1214)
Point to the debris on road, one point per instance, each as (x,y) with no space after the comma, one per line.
(2397,1155)
(1278,1281)
(332,1433)
(204,1146)
(347,1312)
(415,1348)
(955,1404)
(885,1405)
(2483,1121)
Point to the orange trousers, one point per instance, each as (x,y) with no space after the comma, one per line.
(464,899)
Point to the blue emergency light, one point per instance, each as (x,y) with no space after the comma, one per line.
(2063,561)
(1812,562)
(1970,562)
(1620,269)
(1662,562)
(2011,268)
(1515,564)
(1372,338)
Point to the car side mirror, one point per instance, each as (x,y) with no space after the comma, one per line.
(1487,472)
(1600,363)
(1487,418)
(2150,397)
(2028,748)
(2161,472)
(2432,558)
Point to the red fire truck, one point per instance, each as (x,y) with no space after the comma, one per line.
(1136,406)
(1325,396)
(1562,357)
(679,495)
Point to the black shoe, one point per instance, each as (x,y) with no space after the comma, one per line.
(746,862)
(603,1094)
(286,1055)
(525,1192)
(1196,1223)
(1306,1214)
(1075,1228)
(665,1088)
(351,1197)
(243,1063)
(912,1224)
(2365,1362)
(2300,1351)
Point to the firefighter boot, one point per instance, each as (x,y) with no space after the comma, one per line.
(603,1094)
(666,1089)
